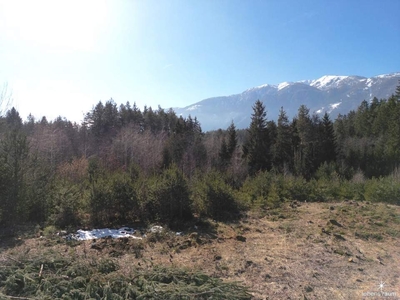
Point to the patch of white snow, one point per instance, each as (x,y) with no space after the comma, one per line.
(334,106)
(282,85)
(194,107)
(83,235)
(327,81)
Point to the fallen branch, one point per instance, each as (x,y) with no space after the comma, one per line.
(15,297)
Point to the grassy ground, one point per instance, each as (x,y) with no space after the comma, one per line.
(299,251)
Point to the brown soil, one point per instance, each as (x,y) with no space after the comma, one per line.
(300,251)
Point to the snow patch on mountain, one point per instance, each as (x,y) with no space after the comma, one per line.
(282,85)
(260,87)
(333,106)
(327,81)
(194,107)
(389,75)
(332,94)
(369,82)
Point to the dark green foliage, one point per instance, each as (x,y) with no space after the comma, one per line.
(14,150)
(305,150)
(113,200)
(224,156)
(232,139)
(283,148)
(213,197)
(65,205)
(257,147)
(76,279)
(327,141)
(165,198)
(123,165)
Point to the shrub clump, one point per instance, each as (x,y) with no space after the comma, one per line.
(212,197)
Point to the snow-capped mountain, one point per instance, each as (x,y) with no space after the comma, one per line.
(332,94)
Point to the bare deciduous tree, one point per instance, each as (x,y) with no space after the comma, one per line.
(5,99)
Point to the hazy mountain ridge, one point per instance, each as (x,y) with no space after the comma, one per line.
(332,94)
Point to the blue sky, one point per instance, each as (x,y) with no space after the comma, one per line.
(62,57)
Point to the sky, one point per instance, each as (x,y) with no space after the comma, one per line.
(60,58)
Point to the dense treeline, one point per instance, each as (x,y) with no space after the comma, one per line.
(123,165)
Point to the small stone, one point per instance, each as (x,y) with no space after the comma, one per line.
(339,236)
(308,289)
(336,223)
(241,238)
(248,263)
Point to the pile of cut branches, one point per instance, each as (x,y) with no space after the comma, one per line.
(53,276)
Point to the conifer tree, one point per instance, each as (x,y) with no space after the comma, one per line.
(224,155)
(14,150)
(232,139)
(283,146)
(328,140)
(256,148)
(304,151)
(227,148)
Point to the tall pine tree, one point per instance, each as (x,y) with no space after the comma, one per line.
(283,145)
(328,140)
(256,149)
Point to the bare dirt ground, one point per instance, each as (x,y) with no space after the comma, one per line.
(344,250)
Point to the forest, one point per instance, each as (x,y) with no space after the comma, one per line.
(123,165)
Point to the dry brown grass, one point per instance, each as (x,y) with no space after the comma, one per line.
(290,253)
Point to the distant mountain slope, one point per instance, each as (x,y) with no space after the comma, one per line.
(333,94)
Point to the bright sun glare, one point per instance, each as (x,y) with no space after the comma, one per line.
(54,25)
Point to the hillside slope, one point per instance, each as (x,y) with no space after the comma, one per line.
(333,94)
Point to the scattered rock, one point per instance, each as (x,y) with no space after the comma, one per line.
(186,244)
(336,223)
(193,235)
(62,233)
(308,289)
(269,259)
(96,246)
(294,204)
(248,263)
(156,229)
(351,259)
(241,238)
(339,236)
(324,231)
(239,272)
